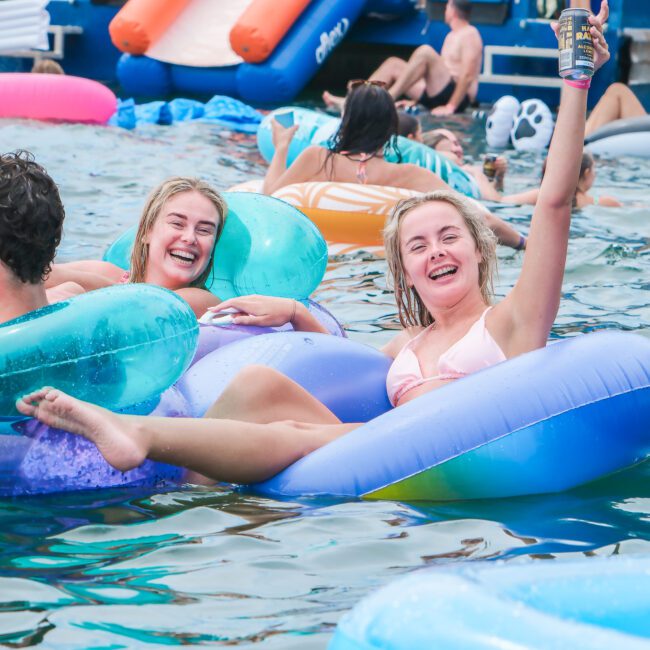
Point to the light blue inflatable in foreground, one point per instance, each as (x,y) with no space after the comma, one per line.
(316,128)
(267,247)
(587,604)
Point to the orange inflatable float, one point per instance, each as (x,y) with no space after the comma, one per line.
(262,26)
(140,23)
(343,212)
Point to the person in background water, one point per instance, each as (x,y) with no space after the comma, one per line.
(581,199)
(445,82)
(356,155)
(46,66)
(447,143)
(408,126)
(617,103)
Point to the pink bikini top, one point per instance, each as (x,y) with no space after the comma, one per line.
(476,350)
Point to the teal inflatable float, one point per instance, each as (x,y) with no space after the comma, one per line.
(267,247)
(116,347)
(119,347)
(317,128)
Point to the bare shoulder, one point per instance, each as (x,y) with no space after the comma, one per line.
(470,36)
(414,177)
(198,299)
(393,347)
(314,152)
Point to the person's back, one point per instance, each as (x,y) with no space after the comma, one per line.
(355,155)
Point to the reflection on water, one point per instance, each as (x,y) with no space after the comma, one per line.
(127,568)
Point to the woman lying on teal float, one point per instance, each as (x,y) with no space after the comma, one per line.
(185,243)
(441,257)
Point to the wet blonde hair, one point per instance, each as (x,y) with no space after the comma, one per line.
(151,211)
(410,308)
(47,66)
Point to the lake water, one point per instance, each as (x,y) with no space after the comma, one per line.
(221,568)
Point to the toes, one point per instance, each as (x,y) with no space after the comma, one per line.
(51,394)
(25,407)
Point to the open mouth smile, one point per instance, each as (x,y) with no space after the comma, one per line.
(186,258)
(443,272)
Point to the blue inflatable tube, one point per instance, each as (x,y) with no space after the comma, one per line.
(319,29)
(141,76)
(597,603)
(267,247)
(317,362)
(119,347)
(215,336)
(531,426)
(316,128)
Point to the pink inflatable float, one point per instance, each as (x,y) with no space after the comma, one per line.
(55,97)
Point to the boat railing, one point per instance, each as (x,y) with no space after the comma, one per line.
(57,50)
(490,77)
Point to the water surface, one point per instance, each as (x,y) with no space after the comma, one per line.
(222,568)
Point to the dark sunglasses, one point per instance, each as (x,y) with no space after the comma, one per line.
(355,83)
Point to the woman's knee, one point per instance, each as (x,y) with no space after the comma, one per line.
(257,380)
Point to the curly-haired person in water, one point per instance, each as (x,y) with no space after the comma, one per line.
(31,224)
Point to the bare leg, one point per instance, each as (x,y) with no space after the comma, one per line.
(618,103)
(263,395)
(388,72)
(333,101)
(225,450)
(425,70)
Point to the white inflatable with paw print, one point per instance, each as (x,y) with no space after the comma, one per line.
(533,126)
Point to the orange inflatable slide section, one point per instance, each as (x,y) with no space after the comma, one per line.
(262,26)
(140,23)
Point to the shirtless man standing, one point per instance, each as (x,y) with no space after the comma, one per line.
(447,82)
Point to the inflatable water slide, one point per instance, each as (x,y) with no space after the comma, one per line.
(261,51)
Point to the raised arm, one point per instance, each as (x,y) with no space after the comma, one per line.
(524,318)
(304,168)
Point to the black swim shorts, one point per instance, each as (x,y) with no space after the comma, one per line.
(443,97)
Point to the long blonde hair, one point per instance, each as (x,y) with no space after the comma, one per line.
(410,308)
(151,211)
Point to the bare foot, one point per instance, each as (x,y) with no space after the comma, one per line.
(114,435)
(333,101)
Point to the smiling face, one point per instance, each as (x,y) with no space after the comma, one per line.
(181,240)
(439,255)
